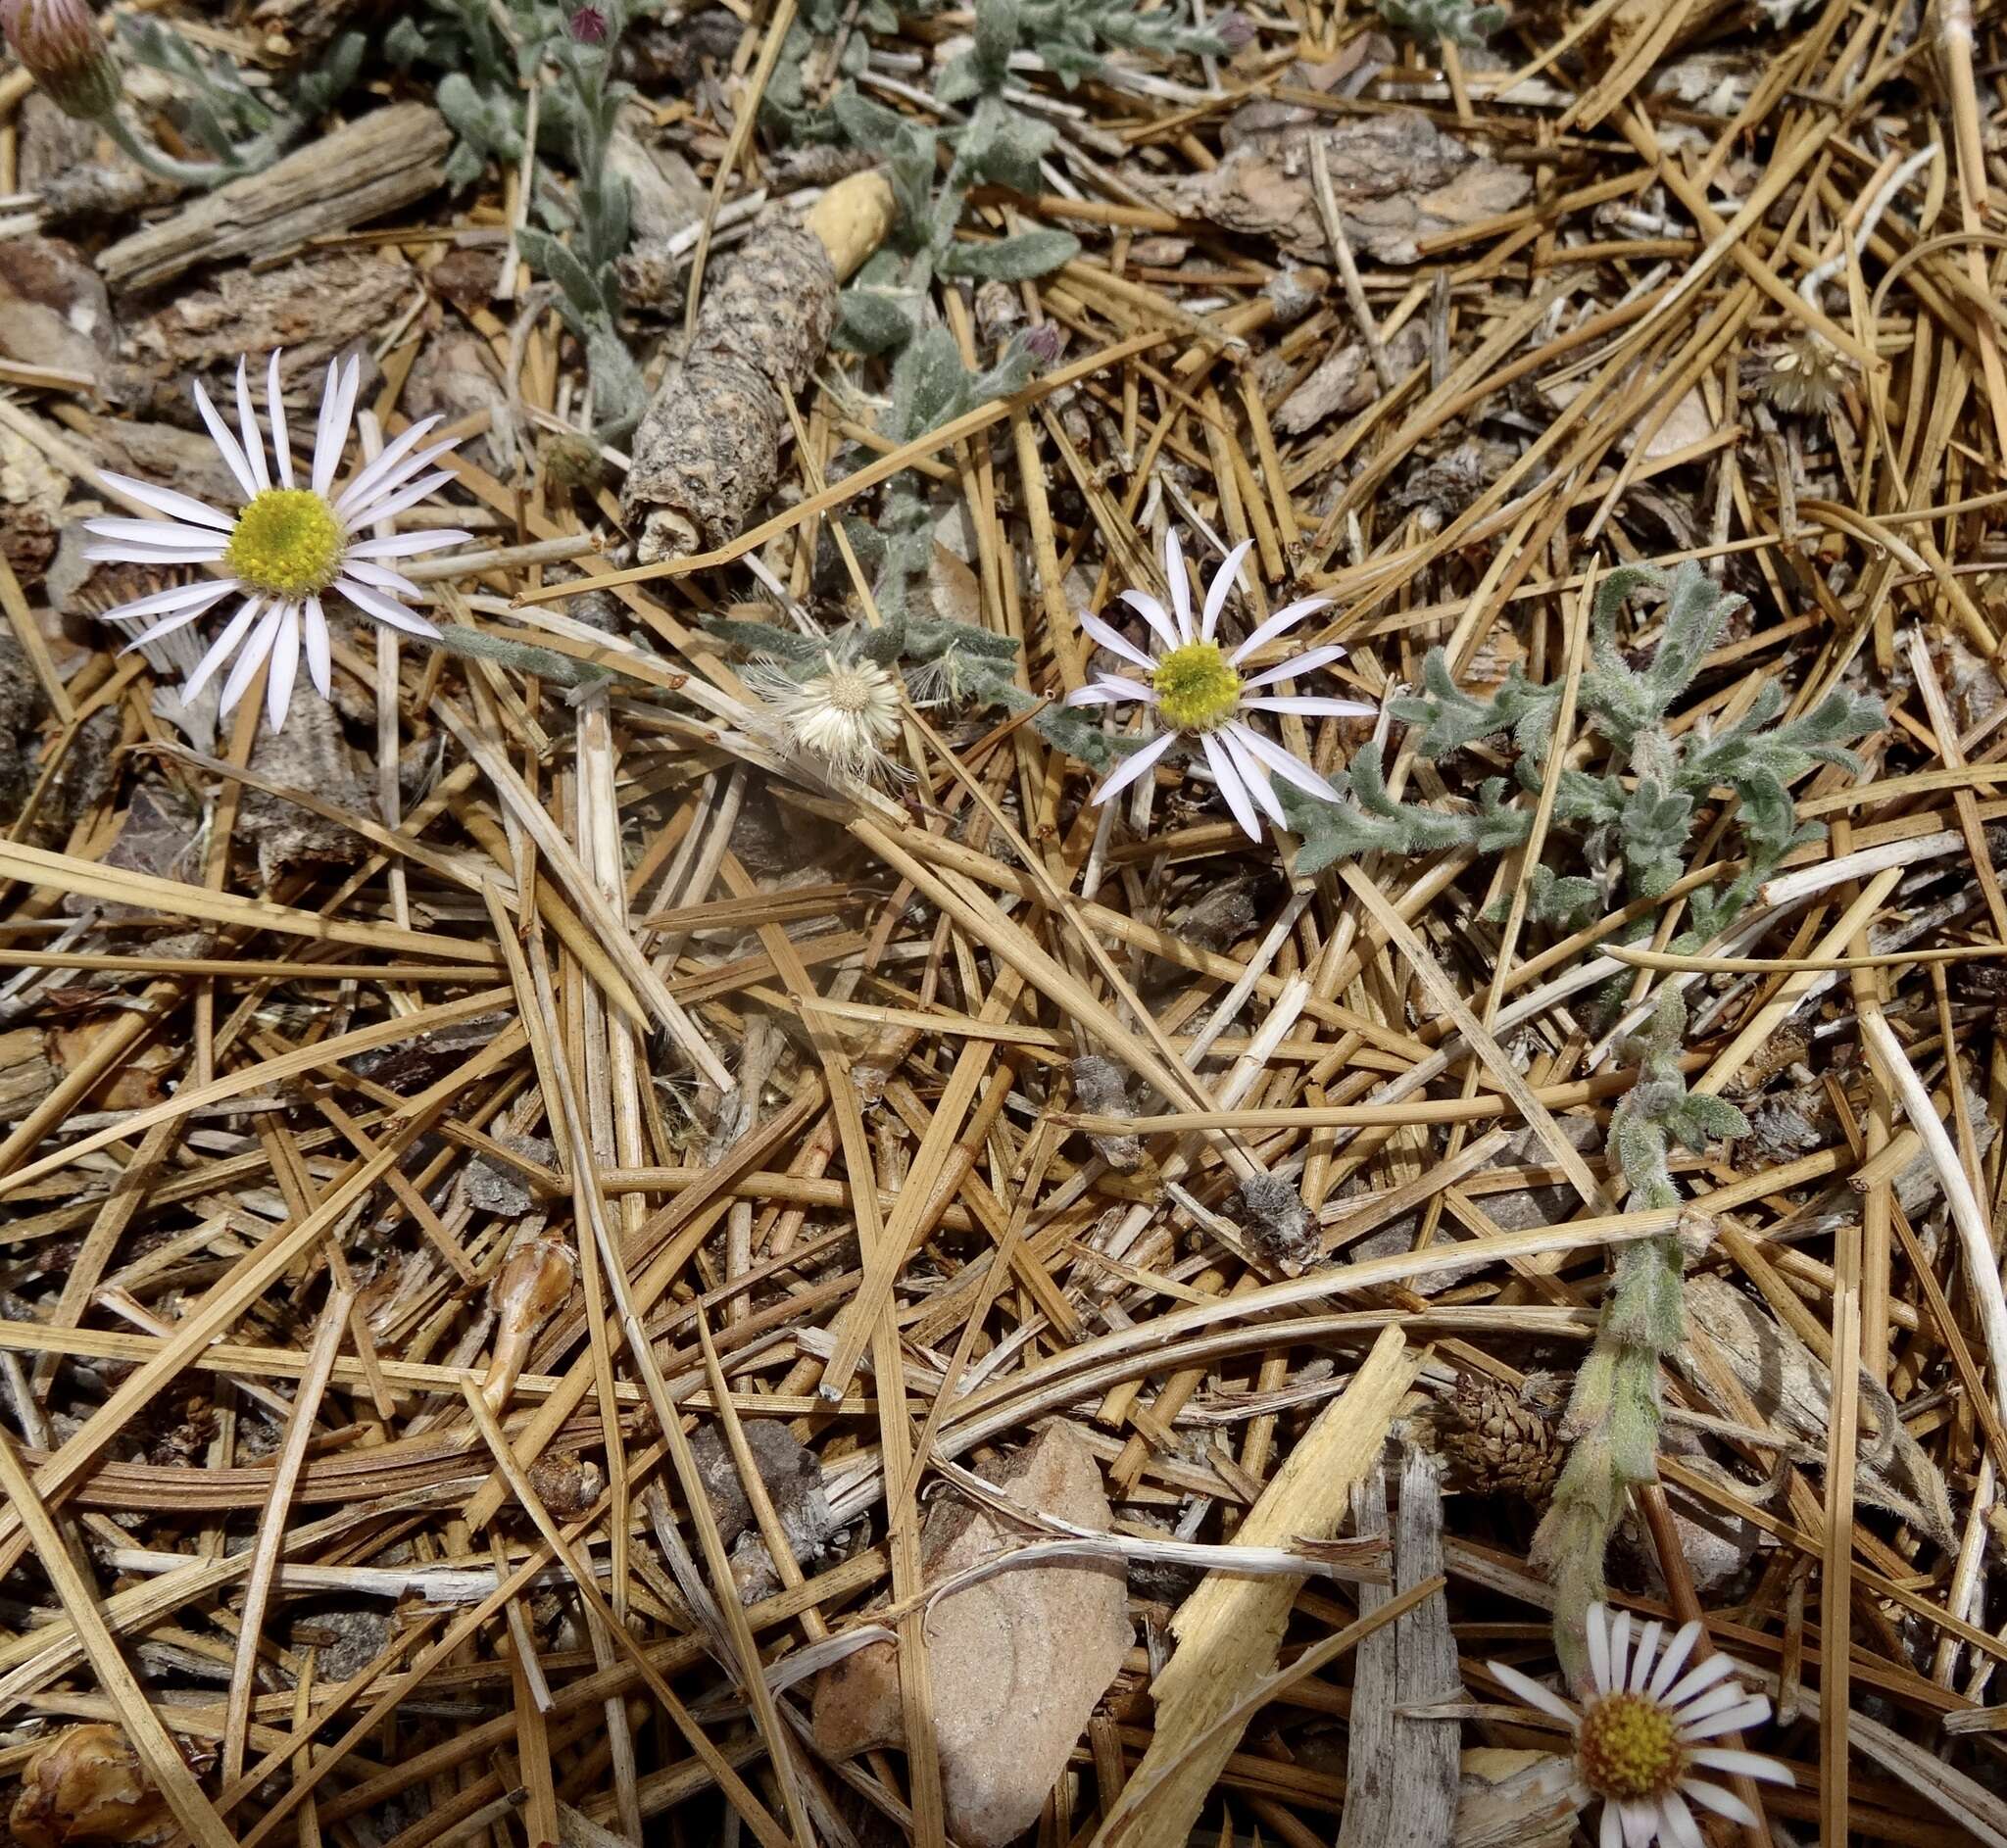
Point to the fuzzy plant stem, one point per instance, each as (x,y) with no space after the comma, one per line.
(1616,1410)
(156,160)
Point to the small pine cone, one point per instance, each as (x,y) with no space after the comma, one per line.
(1498,1442)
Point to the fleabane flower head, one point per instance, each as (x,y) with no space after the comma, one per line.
(1196,691)
(844,715)
(1643,1733)
(288,545)
(59,45)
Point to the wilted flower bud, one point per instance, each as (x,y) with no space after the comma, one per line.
(60,46)
(531,1288)
(85,1785)
(1044,342)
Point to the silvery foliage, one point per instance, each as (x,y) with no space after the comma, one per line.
(581,230)
(1635,817)
(1461,21)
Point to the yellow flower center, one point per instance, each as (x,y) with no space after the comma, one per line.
(1627,1748)
(1197,689)
(852,689)
(286,543)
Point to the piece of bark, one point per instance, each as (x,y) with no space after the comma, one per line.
(1398,178)
(308,310)
(1508,1798)
(1017,1661)
(364,169)
(1794,1388)
(708,452)
(27,1072)
(307,755)
(1343,380)
(1229,1631)
(1401,1772)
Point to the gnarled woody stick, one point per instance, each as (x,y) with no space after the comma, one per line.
(707,451)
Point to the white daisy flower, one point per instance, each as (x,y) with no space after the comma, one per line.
(1197,689)
(844,715)
(288,545)
(1643,1734)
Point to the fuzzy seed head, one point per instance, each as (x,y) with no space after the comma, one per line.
(845,716)
(1629,1748)
(60,46)
(1196,688)
(287,542)
(1807,377)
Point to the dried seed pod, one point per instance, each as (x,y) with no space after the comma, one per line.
(86,1784)
(1807,377)
(530,1289)
(567,1486)
(1497,1442)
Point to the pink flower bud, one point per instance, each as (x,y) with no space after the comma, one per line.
(588,26)
(60,46)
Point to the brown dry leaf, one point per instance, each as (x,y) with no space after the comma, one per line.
(1017,1662)
(134,1086)
(1398,178)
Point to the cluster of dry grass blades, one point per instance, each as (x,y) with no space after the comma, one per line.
(536,1232)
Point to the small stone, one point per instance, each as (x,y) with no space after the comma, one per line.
(1017,1661)
(792,1477)
(493,1187)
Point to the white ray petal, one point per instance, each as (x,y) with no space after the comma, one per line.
(285,664)
(1155,614)
(1641,1824)
(1611,1834)
(320,660)
(1598,1639)
(175,597)
(155,532)
(1115,642)
(1181,587)
(233,632)
(1721,1802)
(386,463)
(1230,786)
(1676,1824)
(1749,1713)
(1532,1693)
(1704,1675)
(1724,1693)
(276,409)
(374,603)
(1252,779)
(1216,591)
(337,412)
(227,446)
(1647,1653)
(405,545)
(1311,705)
(1286,617)
(397,502)
(1675,1657)
(1741,1764)
(247,426)
(1620,1650)
(1283,764)
(381,576)
(1296,667)
(169,501)
(180,619)
(125,552)
(250,657)
(1111,690)
(1136,764)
